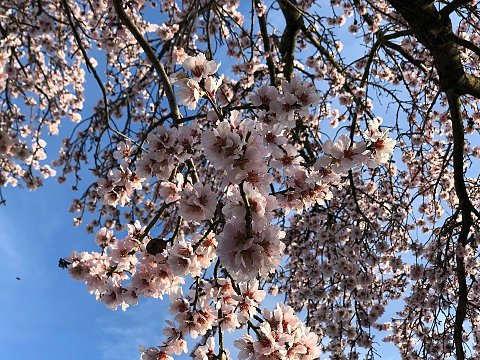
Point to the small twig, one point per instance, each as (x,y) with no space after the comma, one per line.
(262,22)
(154,220)
(89,64)
(248,212)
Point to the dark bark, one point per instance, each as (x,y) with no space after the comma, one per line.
(434,31)
(293,24)
(465,208)
(262,21)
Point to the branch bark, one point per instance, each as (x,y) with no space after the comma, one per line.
(125,20)
(262,21)
(434,30)
(294,22)
(466,223)
(167,86)
(453,6)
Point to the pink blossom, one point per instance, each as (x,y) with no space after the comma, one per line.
(247,256)
(170,191)
(189,92)
(212,85)
(207,351)
(200,67)
(245,345)
(284,109)
(154,354)
(382,145)
(104,237)
(198,202)
(264,96)
(343,155)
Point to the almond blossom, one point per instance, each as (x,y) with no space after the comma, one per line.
(343,155)
(207,351)
(283,336)
(247,255)
(189,93)
(197,203)
(381,144)
(200,67)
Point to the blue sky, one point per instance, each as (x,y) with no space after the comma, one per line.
(46,314)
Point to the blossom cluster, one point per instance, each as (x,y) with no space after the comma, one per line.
(282,336)
(167,147)
(200,84)
(229,222)
(126,270)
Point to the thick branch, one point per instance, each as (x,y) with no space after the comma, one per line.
(461,311)
(294,21)
(472,86)
(453,6)
(458,147)
(466,44)
(434,32)
(465,206)
(151,56)
(262,21)
(433,29)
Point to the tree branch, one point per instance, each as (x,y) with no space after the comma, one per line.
(471,86)
(90,67)
(465,207)
(123,17)
(453,6)
(167,86)
(262,21)
(434,31)
(466,44)
(294,22)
